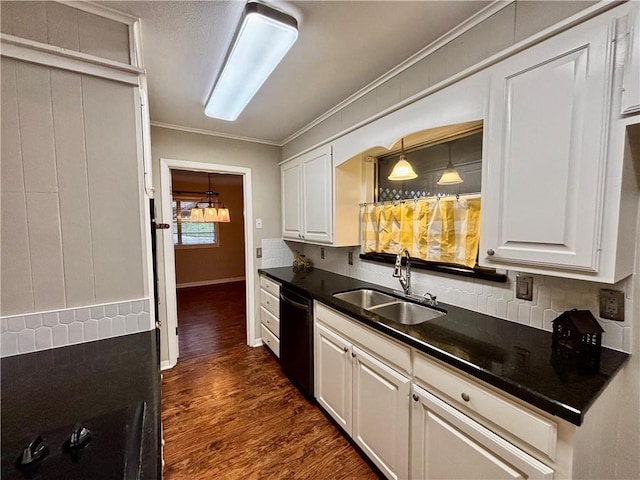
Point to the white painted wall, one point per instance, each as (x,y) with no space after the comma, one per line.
(263,161)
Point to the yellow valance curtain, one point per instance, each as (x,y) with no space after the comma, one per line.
(445,229)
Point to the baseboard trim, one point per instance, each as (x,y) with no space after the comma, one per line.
(166,365)
(210,282)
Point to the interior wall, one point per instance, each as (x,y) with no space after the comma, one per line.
(263,161)
(203,264)
(71,220)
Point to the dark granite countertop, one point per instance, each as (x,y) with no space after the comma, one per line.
(512,357)
(52,388)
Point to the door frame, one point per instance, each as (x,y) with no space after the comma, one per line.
(169,270)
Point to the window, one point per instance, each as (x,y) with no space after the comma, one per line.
(429,161)
(186,232)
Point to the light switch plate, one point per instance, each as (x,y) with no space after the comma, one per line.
(524,287)
(612,304)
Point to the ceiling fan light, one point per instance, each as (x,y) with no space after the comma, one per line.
(223,215)
(402,170)
(210,214)
(264,37)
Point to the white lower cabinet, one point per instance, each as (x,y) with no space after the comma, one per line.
(381,414)
(367,398)
(446,443)
(333,373)
(270,314)
(417,419)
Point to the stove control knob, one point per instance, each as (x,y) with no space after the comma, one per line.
(35,451)
(79,437)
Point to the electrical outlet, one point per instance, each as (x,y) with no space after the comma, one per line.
(524,287)
(258,252)
(612,304)
(322,253)
(350,258)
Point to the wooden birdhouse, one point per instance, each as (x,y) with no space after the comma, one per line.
(577,335)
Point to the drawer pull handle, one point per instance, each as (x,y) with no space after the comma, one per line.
(491,252)
(268,302)
(345,349)
(465,397)
(353,354)
(415,397)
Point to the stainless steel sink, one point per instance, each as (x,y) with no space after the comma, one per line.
(406,313)
(365,298)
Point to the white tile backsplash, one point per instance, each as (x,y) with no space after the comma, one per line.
(44,338)
(26,341)
(275,253)
(91,330)
(34,321)
(551,295)
(45,330)
(61,335)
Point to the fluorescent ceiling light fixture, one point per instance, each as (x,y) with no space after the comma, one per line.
(263,39)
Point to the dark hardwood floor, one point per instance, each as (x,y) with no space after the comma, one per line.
(211,318)
(228,412)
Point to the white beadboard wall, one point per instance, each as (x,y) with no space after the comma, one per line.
(59,328)
(551,295)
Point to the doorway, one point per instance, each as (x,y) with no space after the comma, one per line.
(209,260)
(167,293)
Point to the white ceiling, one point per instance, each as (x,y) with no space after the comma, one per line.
(342,47)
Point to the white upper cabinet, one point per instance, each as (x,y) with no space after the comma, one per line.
(548,158)
(628,35)
(319,203)
(290,174)
(317,217)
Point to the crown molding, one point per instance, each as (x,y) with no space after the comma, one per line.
(458,30)
(212,133)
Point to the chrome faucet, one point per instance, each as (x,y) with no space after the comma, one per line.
(430,299)
(397,271)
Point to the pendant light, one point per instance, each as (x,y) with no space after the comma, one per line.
(223,215)
(450,175)
(403,169)
(215,211)
(196,215)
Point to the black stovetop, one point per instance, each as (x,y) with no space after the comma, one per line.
(109,449)
(54,389)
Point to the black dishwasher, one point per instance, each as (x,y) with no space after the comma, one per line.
(296,339)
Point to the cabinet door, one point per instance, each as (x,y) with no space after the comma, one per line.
(333,374)
(545,153)
(381,414)
(446,444)
(629,27)
(291,176)
(317,180)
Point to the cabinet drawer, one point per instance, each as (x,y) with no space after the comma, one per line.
(271,303)
(270,321)
(270,286)
(536,430)
(380,346)
(270,340)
